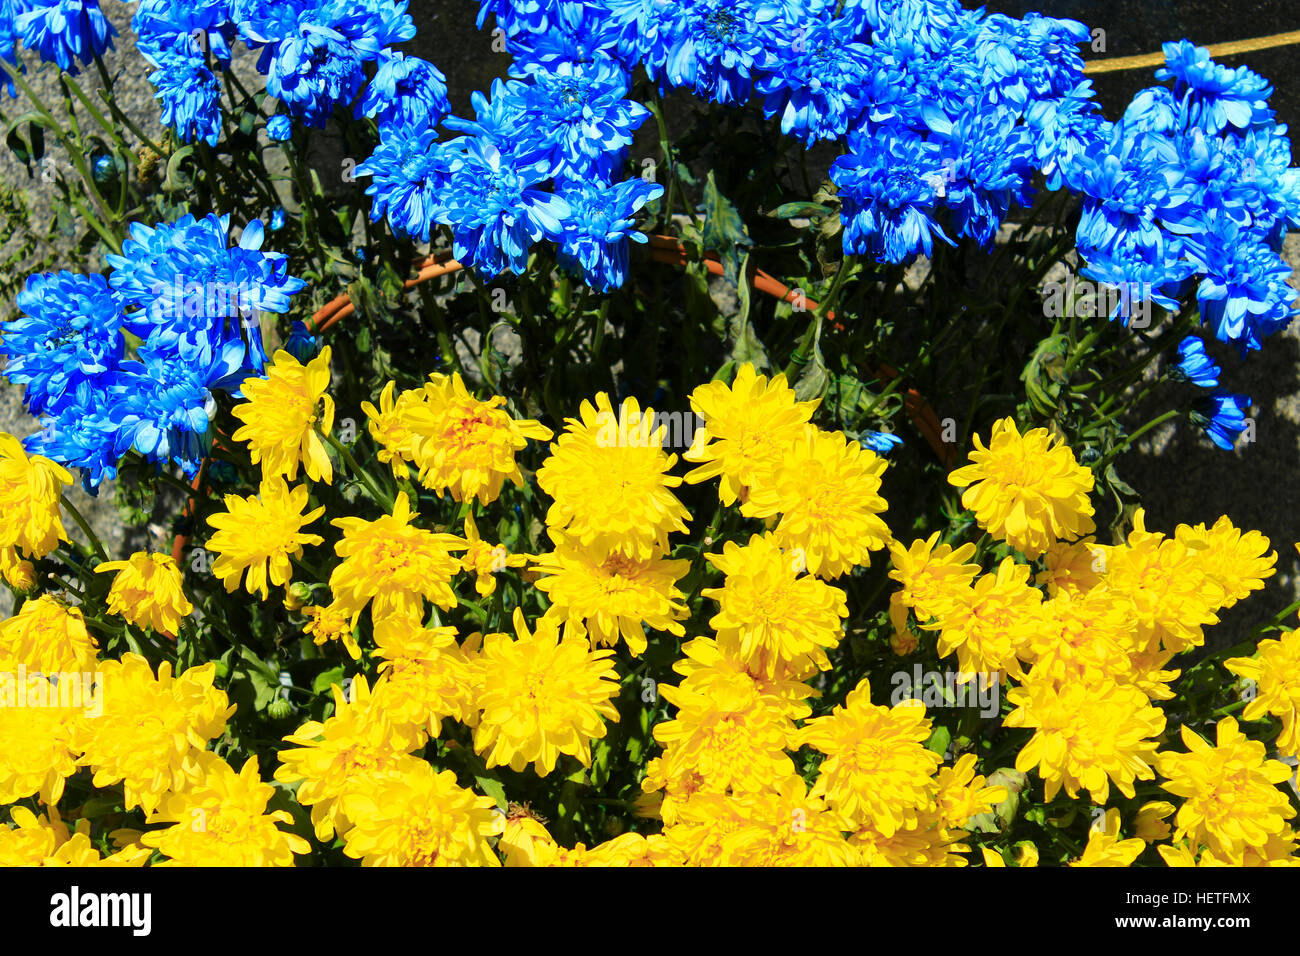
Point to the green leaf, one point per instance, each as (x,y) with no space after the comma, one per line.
(724,231)
(800,210)
(493,788)
(939,740)
(324,679)
(745,344)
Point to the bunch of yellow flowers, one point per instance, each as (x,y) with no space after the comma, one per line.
(723,668)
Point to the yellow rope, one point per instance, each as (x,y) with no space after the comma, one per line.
(1217,50)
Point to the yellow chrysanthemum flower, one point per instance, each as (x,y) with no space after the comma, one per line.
(1170,600)
(988,624)
(1275,669)
(780,617)
(962,793)
(605,597)
(1235,563)
(787,826)
(542,696)
(394,563)
(147,592)
(727,734)
(31,488)
(221,820)
(931,574)
(389,429)
(608,476)
(709,660)
(427,675)
(1107,848)
(462,445)
(37,752)
(1280,850)
(826,490)
(48,637)
(633,849)
(21,575)
(1080,636)
(1150,825)
(422,818)
(485,560)
(331,622)
(522,837)
(1074,566)
(351,752)
(1229,790)
(282,413)
(46,841)
(924,841)
(877,768)
(151,728)
(747,428)
(1086,735)
(260,534)
(1028,490)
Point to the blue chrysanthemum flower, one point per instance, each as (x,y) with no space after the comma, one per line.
(641,30)
(815,85)
(882,443)
(313,73)
(1064,128)
(578,31)
(889,183)
(196,28)
(598,227)
(162,408)
(715,47)
(77,434)
(313,52)
(1194,365)
(408,171)
(499,120)
(578,112)
(191,98)
(1030,59)
(495,210)
(406,91)
(279,127)
(301,344)
(1259,164)
(65,31)
(70,329)
(1134,189)
(1223,416)
(1153,110)
(514,17)
(989,160)
(1215,97)
(1134,274)
(9,36)
(929,25)
(1244,294)
(192,292)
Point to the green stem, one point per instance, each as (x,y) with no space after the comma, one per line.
(85,527)
(360,473)
(1128,442)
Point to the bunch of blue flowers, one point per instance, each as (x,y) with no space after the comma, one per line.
(313,53)
(134,361)
(1193,190)
(545,157)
